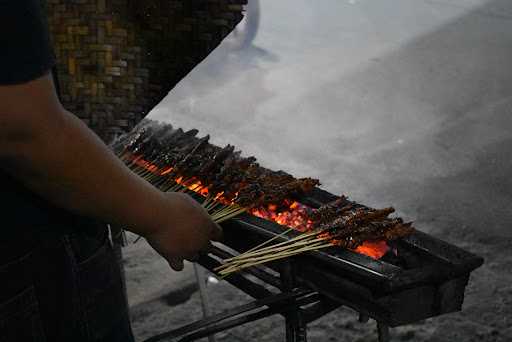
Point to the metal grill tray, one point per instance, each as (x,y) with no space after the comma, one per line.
(431,283)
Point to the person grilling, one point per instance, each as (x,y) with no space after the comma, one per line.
(61,184)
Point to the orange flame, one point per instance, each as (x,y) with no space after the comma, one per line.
(297,216)
(373,249)
(293,214)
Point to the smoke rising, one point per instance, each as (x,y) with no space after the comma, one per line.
(392,102)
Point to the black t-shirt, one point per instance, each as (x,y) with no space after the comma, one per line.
(24,40)
(26,54)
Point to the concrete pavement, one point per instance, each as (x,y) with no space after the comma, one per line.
(393,102)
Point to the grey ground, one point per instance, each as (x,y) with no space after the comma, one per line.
(393,102)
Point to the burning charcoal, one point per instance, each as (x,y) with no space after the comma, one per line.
(272,194)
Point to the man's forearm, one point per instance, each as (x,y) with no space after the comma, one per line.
(57,156)
(74,169)
(61,159)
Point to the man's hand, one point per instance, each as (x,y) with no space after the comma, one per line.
(55,155)
(184,230)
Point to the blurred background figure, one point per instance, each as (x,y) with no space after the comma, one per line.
(245,33)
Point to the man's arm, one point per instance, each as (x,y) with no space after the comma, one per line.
(57,156)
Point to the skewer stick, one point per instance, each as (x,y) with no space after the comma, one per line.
(233,266)
(145,171)
(291,241)
(228,214)
(272,258)
(280,249)
(226,210)
(165,186)
(277,256)
(264,251)
(184,190)
(261,245)
(168,185)
(139,170)
(175,188)
(270,251)
(124,155)
(155,176)
(225,218)
(192,188)
(207,201)
(277,251)
(198,189)
(161,182)
(213,205)
(134,161)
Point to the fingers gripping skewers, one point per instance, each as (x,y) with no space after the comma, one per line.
(229,184)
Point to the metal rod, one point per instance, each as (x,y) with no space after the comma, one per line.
(277,302)
(201,282)
(227,324)
(296,328)
(383,331)
(222,326)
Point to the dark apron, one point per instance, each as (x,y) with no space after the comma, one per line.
(59,277)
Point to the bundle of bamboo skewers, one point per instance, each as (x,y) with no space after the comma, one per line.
(218,210)
(354,226)
(263,253)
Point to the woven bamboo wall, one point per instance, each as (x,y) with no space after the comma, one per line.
(117,59)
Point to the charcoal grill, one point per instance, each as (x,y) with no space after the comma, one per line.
(422,277)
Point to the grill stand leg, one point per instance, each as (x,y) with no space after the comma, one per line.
(201,282)
(296,328)
(275,304)
(118,239)
(383,331)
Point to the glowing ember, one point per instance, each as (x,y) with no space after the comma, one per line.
(295,216)
(374,249)
(196,186)
(169,170)
(292,214)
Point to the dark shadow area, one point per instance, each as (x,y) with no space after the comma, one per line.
(181,295)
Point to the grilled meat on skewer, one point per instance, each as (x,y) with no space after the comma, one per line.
(163,154)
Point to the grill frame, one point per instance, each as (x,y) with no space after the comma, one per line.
(306,287)
(388,293)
